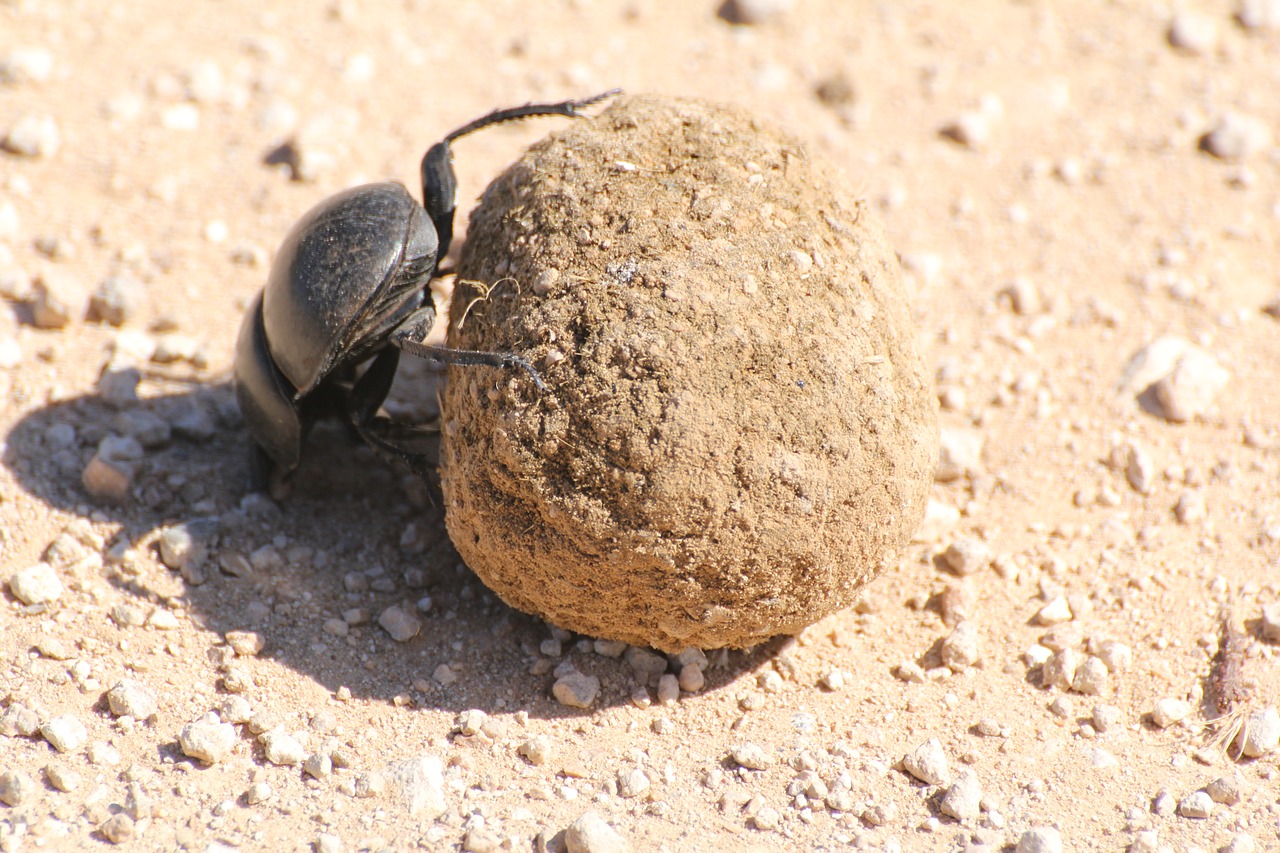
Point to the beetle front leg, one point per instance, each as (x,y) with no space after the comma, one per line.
(412,333)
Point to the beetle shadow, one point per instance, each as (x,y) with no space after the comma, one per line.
(311,575)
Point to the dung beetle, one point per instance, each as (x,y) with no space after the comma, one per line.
(349,284)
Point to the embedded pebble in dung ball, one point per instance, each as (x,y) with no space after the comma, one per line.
(736,433)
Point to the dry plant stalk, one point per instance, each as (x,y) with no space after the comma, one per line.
(1229,690)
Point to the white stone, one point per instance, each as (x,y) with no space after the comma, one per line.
(963,647)
(576,690)
(1197,805)
(1169,711)
(36,584)
(1040,839)
(65,733)
(400,623)
(1261,733)
(591,834)
(420,784)
(963,797)
(751,756)
(207,740)
(132,699)
(959,454)
(1090,677)
(928,763)
(282,749)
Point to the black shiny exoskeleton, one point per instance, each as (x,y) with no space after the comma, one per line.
(351,277)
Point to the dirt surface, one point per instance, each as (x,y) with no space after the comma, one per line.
(736,433)
(1066,184)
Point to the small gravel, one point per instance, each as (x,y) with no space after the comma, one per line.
(17,788)
(967,555)
(1090,677)
(963,796)
(1261,733)
(118,828)
(1225,790)
(400,623)
(576,690)
(282,749)
(1197,805)
(420,786)
(962,648)
(1241,842)
(1040,839)
(1060,669)
(1236,137)
(133,699)
(207,739)
(36,584)
(62,777)
(751,756)
(536,750)
(65,733)
(591,834)
(928,763)
(753,12)
(1194,32)
(33,136)
(1169,711)
(632,783)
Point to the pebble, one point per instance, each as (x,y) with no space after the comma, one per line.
(1259,14)
(245,643)
(147,428)
(1107,718)
(1090,677)
(118,828)
(400,623)
(65,733)
(609,648)
(1062,707)
(1270,626)
(963,796)
(833,680)
(692,679)
(131,698)
(420,785)
(328,843)
(967,555)
(184,547)
(369,785)
(939,518)
(116,301)
(207,739)
(591,834)
(19,721)
(33,136)
(1169,711)
(632,783)
(28,64)
(259,792)
(1241,842)
(17,787)
(36,584)
(1164,804)
(536,750)
(1236,137)
(959,454)
(957,603)
(644,662)
(1191,507)
(766,818)
(1116,655)
(282,749)
(668,689)
(1197,805)
(576,689)
(1225,789)
(1060,669)
(972,129)
(928,763)
(62,777)
(1191,387)
(962,648)
(1261,733)
(1040,839)
(753,12)
(751,756)
(1056,611)
(318,765)
(910,672)
(1193,32)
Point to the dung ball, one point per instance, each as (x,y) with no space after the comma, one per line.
(736,433)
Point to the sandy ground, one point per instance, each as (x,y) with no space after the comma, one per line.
(1043,173)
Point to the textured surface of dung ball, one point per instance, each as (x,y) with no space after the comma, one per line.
(737,433)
